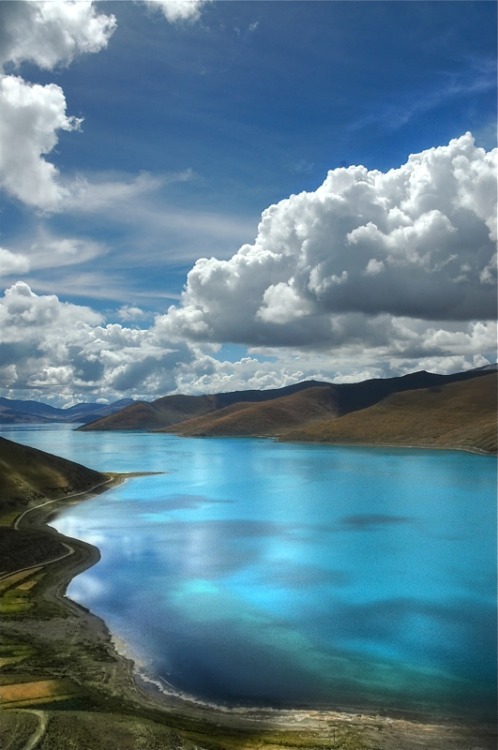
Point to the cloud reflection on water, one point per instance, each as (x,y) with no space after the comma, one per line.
(244,587)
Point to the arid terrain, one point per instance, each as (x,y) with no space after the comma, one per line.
(63,684)
(421,409)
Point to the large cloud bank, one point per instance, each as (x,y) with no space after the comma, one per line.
(365,257)
(371,275)
(50,34)
(46,34)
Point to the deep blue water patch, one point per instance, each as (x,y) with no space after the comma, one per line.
(252,572)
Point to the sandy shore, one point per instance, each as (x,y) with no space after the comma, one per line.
(98,687)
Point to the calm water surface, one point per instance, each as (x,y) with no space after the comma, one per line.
(252,572)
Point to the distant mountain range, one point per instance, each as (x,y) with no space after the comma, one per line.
(458,410)
(34,412)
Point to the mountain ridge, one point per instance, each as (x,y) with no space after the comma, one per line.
(169,410)
(420,408)
(272,413)
(458,413)
(16,411)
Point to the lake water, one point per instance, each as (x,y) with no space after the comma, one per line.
(257,573)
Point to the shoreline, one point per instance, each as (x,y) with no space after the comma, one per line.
(113,679)
(396,446)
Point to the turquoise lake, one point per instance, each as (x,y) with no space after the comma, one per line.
(259,573)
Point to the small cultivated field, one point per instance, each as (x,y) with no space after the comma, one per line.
(33,692)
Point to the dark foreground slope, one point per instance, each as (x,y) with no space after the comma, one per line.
(27,474)
(29,477)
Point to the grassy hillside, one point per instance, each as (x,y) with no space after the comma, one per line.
(459,414)
(27,474)
(455,415)
(28,477)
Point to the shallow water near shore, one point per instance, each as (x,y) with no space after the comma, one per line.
(288,575)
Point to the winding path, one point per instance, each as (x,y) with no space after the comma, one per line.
(57,499)
(39,732)
(69,549)
(35,737)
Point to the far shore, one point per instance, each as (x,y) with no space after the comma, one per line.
(84,682)
(394,446)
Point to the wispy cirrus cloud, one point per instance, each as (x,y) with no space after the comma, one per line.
(479,77)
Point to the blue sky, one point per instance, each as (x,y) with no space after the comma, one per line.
(139,138)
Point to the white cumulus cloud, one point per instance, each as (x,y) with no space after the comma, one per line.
(31,116)
(178,10)
(51,32)
(66,350)
(46,34)
(364,249)
(12,262)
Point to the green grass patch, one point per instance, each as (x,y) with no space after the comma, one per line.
(14,602)
(13,653)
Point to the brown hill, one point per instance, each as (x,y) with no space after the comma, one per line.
(27,474)
(170,410)
(143,415)
(268,418)
(319,412)
(454,415)
(344,398)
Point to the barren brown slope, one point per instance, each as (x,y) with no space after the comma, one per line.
(456,415)
(267,419)
(305,408)
(170,410)
(150,416)
(173,410)
(27,474)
